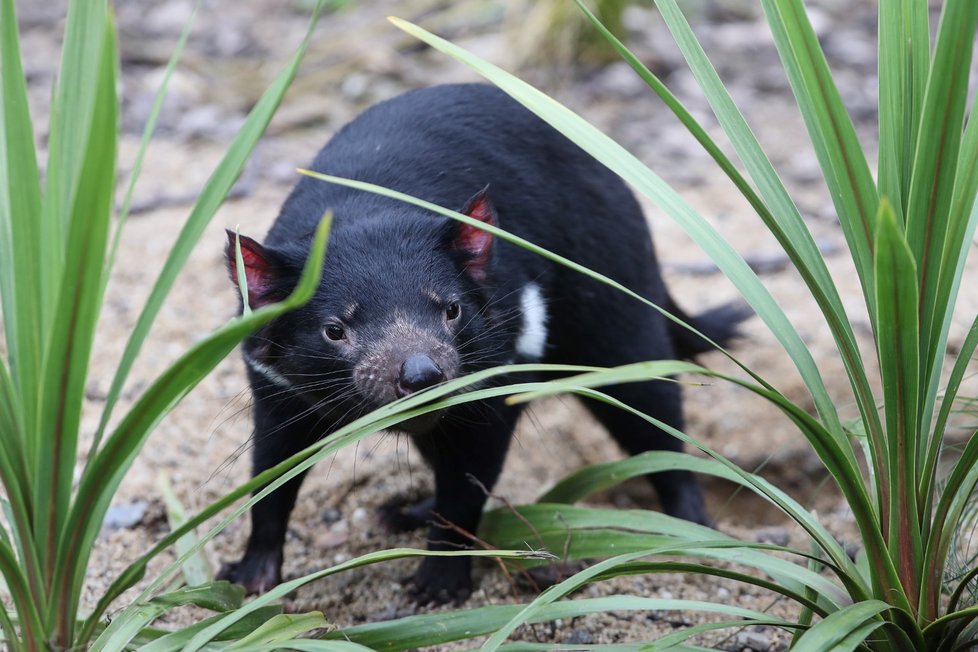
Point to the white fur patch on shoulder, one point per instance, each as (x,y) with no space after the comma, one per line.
(268,372)
(532,339)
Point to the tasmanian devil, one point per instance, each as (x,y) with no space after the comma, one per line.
(409,299)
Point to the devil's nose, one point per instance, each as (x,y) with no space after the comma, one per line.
(418,372)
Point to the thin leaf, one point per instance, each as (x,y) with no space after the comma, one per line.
(242,276)
(826,447)
(839,153)
(936,159)
(937,538)
(904,65)
(174,641)
(73,111)
(588,533)
(78,304)
(308,646)
(961,230)
(218,596)
(284,627)
(32,631)
(147,136)
(211,198)
(137,167)
(532,610)
(844,630)
(440,628)
(279,591)
(896,303)
(16,483)
(197,569)
(20,208)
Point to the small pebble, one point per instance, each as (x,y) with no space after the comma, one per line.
(124,517)
(580,636)
(331,515)
(774,534)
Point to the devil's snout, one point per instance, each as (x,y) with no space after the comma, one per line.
(418,372)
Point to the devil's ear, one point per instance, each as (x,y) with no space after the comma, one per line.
(264,273)
(475,243)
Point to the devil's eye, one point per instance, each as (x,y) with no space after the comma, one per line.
(334,332)
(453,310)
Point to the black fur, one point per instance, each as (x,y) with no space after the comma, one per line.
(392,274)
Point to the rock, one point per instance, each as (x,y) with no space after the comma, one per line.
(331,515)
(580,636)
(756,639)
(124,517)
(329,539)
(774,534)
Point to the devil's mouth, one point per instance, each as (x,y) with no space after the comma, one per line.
(420,424)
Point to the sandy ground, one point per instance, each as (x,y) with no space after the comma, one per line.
(355,60)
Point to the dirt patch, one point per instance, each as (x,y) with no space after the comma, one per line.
(357,58)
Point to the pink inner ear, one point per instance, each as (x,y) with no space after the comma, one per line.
(259,272)
(475,242)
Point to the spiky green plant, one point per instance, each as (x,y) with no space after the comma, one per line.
(908,231)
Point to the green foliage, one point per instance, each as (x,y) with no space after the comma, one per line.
(908,233)
(56,252)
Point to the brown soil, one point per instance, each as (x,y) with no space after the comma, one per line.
(356,59)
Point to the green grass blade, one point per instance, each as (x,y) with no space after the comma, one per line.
(588,533)
(17,484)
(933,219)
(440,628)
(831,130)
(829,451)
(72,111)
(32,631)
(281,590)
(571,584)
(929,476)
(101,478)
(20,208)
(219,596)
(8,631)
(525,646)
(961,226)
(620,161)
(197,569)
(602,476)
(283,627)
(952,503)
(211,198)
(672,642)
(78,304)
(845,630)
(896,303)
(148,131)
(174,641)
(938,147)
(784,221)
(904,65)
(306,645)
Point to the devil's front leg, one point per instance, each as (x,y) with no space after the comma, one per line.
(284,425)
(469,443)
